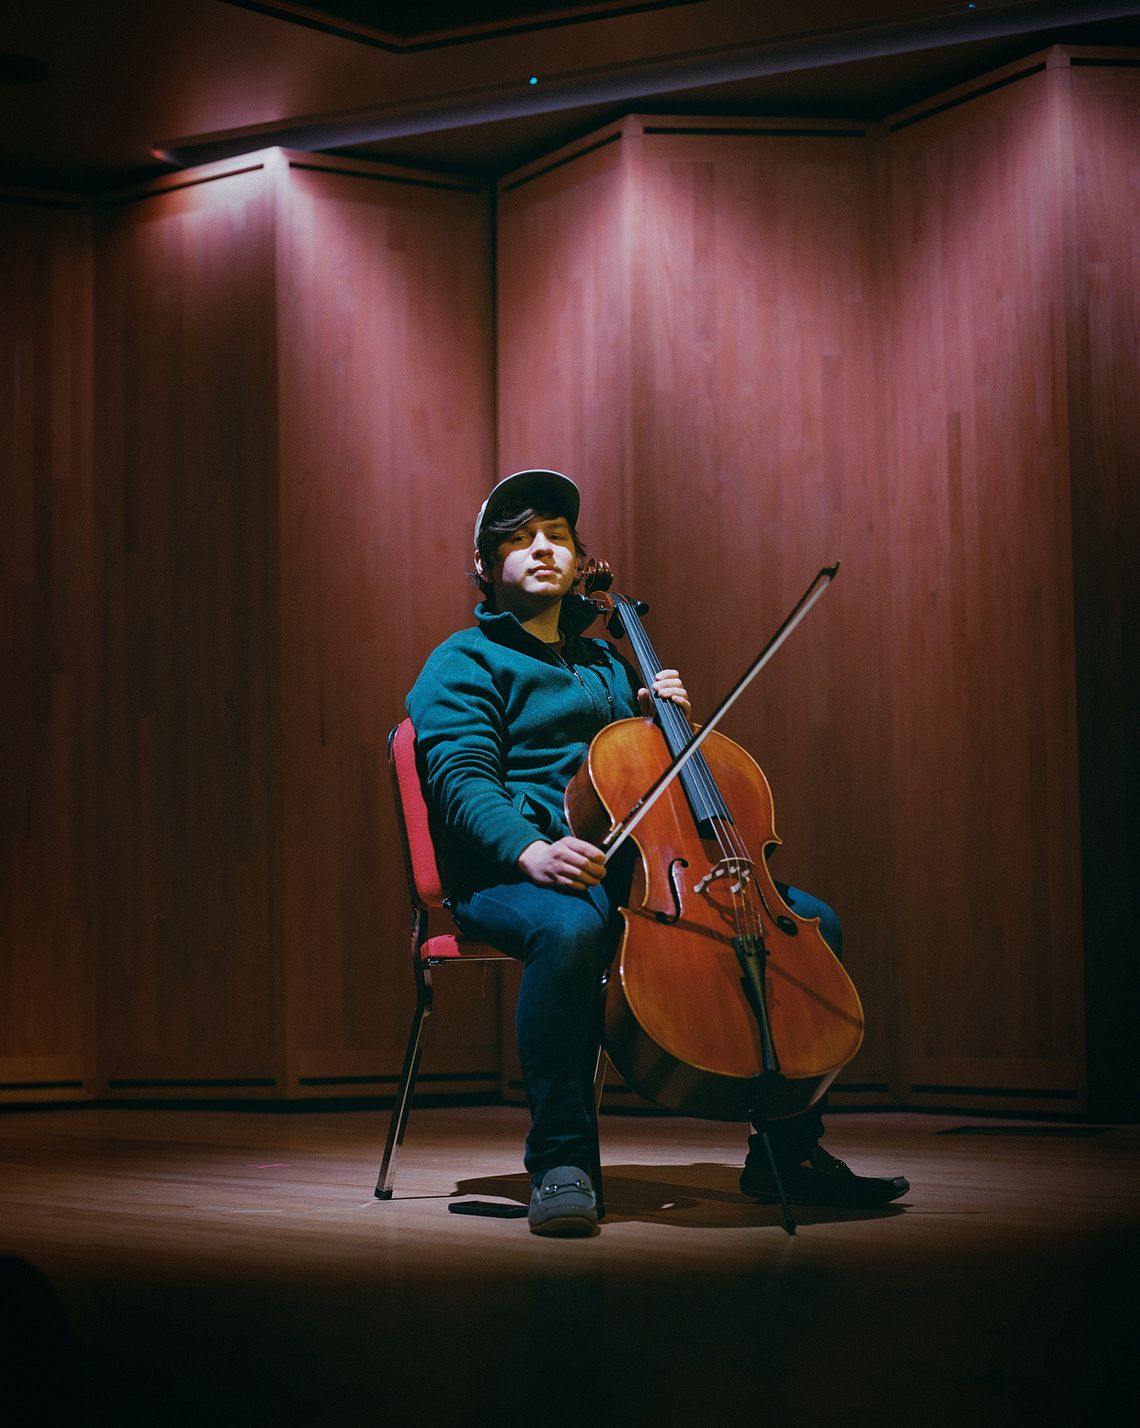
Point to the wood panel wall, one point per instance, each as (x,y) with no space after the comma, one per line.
(48,557)
(912,350)
(565,254)
(292,388)
(758,463)
(563,294)
(906,350)
(738,288)
(984,760)
(1103,336)
(189,995)
(386,422)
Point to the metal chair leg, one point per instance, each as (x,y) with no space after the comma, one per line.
(386,1180)
(401,1109)
(600,1068)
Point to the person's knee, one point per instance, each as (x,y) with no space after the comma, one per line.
(806,905)
(576,943)
(831,928)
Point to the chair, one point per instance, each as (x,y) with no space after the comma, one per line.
(430,949)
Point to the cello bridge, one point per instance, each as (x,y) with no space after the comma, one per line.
(739,869)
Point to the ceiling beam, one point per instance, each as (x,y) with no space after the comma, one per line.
(633,81)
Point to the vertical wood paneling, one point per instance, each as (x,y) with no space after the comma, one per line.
(803,389)
(47,555)
(702,298)
(563,293)
(295,399)
(565,257)
(915,353)
(386,450)
(1103,313)
(186,447)
(757,463)
(564,273)
(979,616)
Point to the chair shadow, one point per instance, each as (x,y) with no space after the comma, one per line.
(703,1196)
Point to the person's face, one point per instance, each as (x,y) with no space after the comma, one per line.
(534,566)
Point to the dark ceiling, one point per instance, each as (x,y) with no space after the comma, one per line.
(95,95)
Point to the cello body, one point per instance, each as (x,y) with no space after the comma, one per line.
(680,1025)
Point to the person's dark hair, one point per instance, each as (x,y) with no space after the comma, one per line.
(495,532)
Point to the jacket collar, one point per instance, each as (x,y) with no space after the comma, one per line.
(505,628)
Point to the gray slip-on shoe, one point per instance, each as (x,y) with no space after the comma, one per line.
(563,1204)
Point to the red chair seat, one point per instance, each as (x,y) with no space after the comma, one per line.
(451,947)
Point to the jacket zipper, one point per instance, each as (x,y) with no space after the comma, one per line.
(605,688)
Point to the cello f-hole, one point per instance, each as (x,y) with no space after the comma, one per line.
(675,888)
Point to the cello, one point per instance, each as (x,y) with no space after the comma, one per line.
(721,1002)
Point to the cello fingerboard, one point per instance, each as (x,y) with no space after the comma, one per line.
(700,788)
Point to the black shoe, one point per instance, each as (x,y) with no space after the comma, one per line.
(563,1204)
(823,1181)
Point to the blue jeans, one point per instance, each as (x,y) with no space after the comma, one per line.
(565,940)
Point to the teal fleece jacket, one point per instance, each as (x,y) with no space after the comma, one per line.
(502,723)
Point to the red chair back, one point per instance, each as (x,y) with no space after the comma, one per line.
(415,821)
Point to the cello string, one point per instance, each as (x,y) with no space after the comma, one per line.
(670,713)
(730,844)
(744,909)
(803,605)
(734,851)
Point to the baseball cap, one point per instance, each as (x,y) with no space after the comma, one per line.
(542,489)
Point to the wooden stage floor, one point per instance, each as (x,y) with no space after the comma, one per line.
(233,1267)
